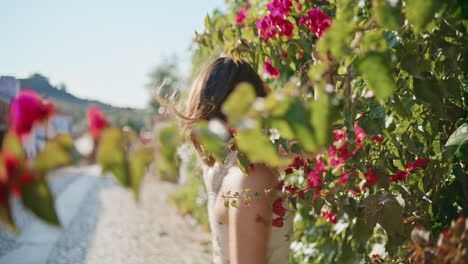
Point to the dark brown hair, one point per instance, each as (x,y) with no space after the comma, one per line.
(208,92)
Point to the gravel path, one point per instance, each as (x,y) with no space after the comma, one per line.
(148,231)
(102,223)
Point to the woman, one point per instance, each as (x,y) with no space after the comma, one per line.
(244,234)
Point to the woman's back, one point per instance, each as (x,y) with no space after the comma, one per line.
(218,179)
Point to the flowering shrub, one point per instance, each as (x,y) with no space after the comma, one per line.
(374,94)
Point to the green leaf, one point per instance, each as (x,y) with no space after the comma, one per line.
(456,141)
(38,198)
(420,12)
(377,72)
(239,102)
(323,114)
(388,15)
(12,143)
(258,148)
(138,164)
(111,155)
(211,142)
(243,162)
(298,117)
(51,157)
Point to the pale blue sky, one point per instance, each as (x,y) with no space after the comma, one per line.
(102,49)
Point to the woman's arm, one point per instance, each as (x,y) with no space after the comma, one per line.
(249,227)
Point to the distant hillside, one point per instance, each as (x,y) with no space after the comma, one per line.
(76,107)
(41,84)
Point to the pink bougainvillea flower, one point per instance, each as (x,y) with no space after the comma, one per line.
(420,163)
(360,136)
(270,69)
(331,217)
(96,122)
(344,179)
(278,208)
(314,179)
(339,135)
(285,28)
(371,177)
(28,108)
(241,16)
(332,150)
(277,222)
(317,21)
(266,28)
(320,165)
(399,176)
(377,139)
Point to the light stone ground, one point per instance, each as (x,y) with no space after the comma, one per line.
(147,231)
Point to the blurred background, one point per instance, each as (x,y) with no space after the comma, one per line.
(112,54)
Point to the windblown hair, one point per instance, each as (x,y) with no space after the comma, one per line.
(208,92)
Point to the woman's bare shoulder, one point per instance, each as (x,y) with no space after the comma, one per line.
(260,177)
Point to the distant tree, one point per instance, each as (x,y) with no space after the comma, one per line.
(167,72)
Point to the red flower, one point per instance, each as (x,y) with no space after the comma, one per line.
(360,135)
(420,163)
(371,177)
(399,176)
(241,16)
(270,69)
(278,207)
(11,163)
(331,217)
(409,166)
(344,178)
(284,54)
(233,131)
(292,189)
(377,139)
(300,55)
(317,21)
(288,171)
(96,122)
(26,109)
(280,185)
(278,222)
(24,179)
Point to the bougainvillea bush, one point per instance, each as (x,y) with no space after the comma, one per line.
(371,96)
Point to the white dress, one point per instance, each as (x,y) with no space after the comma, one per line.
(280,238)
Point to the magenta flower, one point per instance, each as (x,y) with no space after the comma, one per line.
(286,28)
(317,21)
(241,16)
(339,135)
(96,122)
(266,28)
(27,109)
(270,69)
(314,179)
(284,54)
